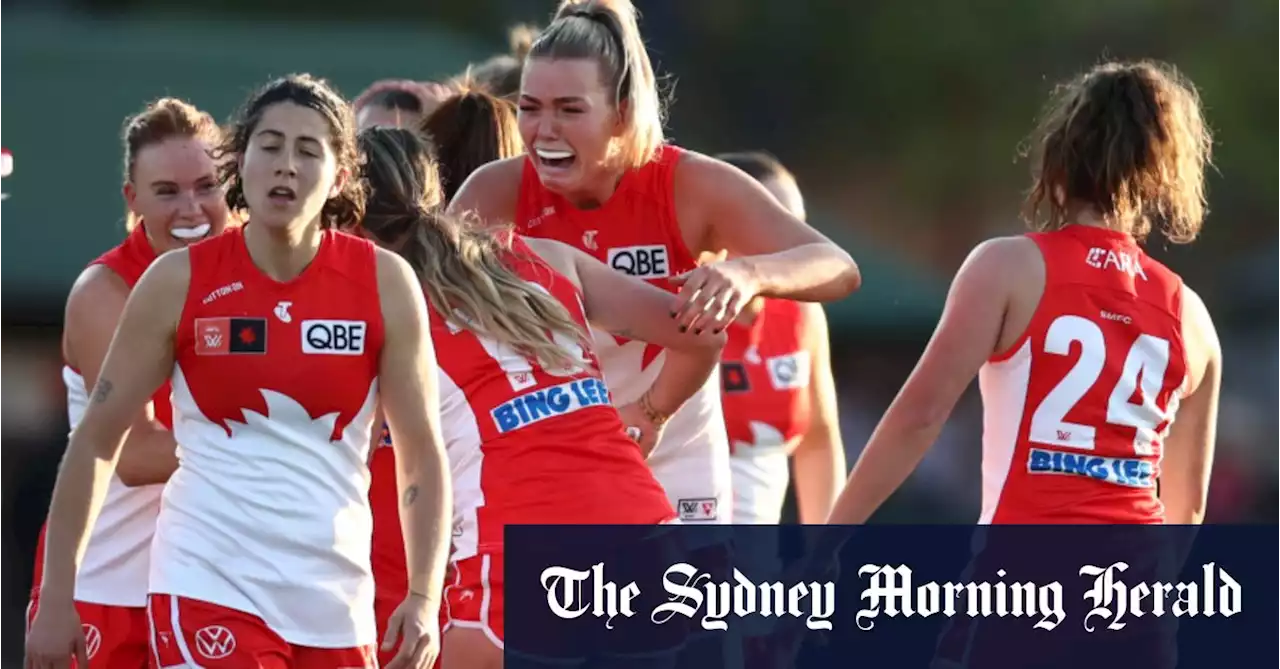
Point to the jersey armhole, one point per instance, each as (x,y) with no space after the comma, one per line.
(669,164)
(1022,339)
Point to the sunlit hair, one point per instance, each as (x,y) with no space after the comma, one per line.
(161,120)
(468,130)
(607,32)
(344,209)
(1128,139)
(500,75)
(461,264)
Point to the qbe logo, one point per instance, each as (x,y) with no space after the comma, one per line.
(645,262)
(330,337)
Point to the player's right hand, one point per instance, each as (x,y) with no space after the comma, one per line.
(416,624)
(55,637)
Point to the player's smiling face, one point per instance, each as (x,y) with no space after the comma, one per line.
(174,192)
(289,170)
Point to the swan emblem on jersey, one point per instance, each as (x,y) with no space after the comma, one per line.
(285,419)
(765,440)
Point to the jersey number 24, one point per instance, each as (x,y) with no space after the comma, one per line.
(1145,364)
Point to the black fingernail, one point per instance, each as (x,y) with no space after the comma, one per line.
(673,314)
(717,331)
(698,331)
(684,328)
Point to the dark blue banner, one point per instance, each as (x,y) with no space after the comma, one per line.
(892,596)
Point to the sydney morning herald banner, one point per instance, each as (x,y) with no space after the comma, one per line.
(892,596)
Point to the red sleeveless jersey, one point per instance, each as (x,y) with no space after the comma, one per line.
(274,387)
(765,371)
(531,445)
(1077,411)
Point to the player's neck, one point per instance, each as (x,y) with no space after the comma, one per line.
(594,194)
(1089,216)
(282,254)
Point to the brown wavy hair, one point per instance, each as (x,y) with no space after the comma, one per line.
(1128,139)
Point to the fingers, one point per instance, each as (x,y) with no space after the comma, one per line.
(425,653)
(82,652)
(393,631)
(715,306)
(410,646)
(691,284)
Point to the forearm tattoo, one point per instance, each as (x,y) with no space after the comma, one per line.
(101,391)
(410,494)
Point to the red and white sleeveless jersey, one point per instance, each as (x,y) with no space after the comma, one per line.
(1075,414)
(636,232)
(116,562)
(765,371)
(528,445)
(274,389)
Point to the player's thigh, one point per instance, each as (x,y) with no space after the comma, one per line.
(469,648)
(364,657)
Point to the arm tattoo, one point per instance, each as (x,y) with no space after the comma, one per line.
(101,390)
(410,494)
(625,333)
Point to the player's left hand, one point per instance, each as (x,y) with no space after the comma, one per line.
(416,624)
(714,293)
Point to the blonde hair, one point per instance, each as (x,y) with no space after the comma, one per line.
(1130,140)
(608,32)
(159,121)
(461,264)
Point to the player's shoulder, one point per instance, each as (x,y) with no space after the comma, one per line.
(1005,260)
(491,191)
(557,255)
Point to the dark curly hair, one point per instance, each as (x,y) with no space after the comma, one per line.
(344,209)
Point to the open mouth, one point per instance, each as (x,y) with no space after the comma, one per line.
(555,158)
(281,195)
(191,234)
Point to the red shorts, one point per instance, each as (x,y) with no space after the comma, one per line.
(116,636)
(191,633)
(473,596)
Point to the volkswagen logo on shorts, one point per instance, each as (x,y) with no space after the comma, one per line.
(92,639)
(215,642)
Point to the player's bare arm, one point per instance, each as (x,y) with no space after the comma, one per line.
(411,403)
(138,361)
(968,333)
(628,307)
(775,253)
(1188,450)
(819,462)
(93,311)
